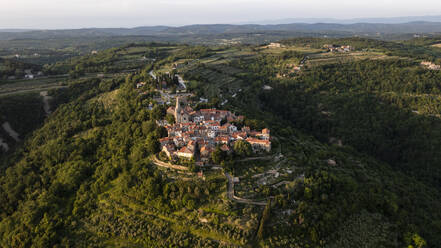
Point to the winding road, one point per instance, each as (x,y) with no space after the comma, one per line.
(230,188)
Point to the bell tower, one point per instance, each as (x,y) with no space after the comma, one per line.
(178,110)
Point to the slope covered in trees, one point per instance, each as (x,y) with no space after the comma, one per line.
(360,139)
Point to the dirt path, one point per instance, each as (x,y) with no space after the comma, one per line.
(46,98)
(7,127)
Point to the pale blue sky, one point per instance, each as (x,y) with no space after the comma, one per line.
(130,13)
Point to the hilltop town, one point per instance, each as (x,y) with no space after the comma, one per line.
(196,133)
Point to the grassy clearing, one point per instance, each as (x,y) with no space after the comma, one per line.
(108,99)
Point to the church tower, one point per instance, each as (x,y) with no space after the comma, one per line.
(178,110)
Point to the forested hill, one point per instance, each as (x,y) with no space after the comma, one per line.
(372,29)
(354,162)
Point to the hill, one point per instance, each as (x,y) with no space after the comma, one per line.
(354,159)
(372,29)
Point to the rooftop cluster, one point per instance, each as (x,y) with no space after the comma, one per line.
(196,134)
(337,48)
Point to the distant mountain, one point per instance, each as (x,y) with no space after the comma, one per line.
(12,30)
(384,20)
(226,29)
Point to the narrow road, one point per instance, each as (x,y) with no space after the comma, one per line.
(157,162)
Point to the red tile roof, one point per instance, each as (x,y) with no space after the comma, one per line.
(258,141)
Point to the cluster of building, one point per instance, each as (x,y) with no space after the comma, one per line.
(430,65)
(337,48)
(275,45)
(196,134)
(28,74)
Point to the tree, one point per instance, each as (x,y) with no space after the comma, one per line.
(218,155)
(158,112)
(153,145)
(161,132)
(170,118)
(242,148)
(148,127)
(265,217)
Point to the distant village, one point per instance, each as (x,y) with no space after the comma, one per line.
(338,48)
(196,134)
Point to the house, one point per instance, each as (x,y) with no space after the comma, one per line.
(211,134)
(29,76)
(222,139)
(228,128)
(171,111)
(192,145)
(232,128)
(246,129)
(430,65)
(140,85)
(169,150)
(274,45)
(166,141)
(185,152)
(346,48)
(259,145)
(205,151)
(265,134)
(239,135)
(198,118)
(225,148)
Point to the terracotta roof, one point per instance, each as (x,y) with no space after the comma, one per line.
(164,139)
(242,135)
(258,141)
(222,138)
(185,150)
(225,148)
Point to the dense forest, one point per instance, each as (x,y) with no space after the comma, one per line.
(355,138)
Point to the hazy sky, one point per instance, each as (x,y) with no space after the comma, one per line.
(131,13)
